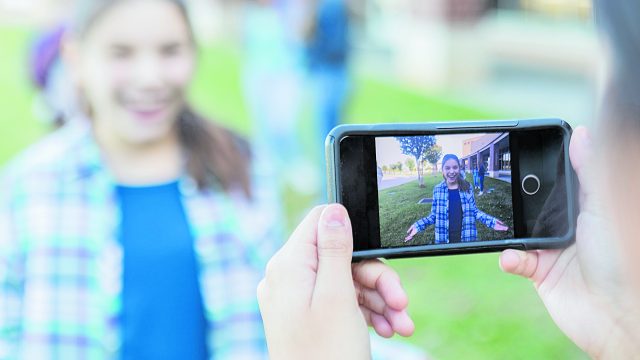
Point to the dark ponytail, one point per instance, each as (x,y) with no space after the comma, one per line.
(216,157)
(463,184)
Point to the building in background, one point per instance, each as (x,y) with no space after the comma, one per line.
(525,58)
(492,150)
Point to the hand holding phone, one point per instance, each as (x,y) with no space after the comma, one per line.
(584,287)
(328,301)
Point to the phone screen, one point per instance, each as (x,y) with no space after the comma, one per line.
(432,189)
(439,189)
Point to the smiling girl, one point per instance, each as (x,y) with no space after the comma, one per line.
(454,210)
(136,231)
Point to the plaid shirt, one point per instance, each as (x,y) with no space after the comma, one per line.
(61,263)
(440,215)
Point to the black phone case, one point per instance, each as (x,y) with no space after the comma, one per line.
(332,147)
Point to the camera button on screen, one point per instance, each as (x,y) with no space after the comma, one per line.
(531,184)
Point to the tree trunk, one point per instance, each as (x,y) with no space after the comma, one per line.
(420,177)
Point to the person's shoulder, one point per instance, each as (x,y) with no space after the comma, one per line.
(440,186)
(48,158)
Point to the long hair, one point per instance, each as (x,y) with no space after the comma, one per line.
(462,183)
(216,157)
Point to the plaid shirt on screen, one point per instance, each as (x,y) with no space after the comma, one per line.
(440,215)
(61,263)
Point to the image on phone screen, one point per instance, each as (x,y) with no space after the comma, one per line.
(444,189)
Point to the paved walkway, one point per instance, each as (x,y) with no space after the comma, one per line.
(389,181)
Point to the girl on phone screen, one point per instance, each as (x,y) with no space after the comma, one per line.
(135,231)
(454,210)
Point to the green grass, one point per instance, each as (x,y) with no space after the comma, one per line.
(399,209)
(464,307)
(18,124)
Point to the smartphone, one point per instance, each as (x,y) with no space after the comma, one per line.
(455,187)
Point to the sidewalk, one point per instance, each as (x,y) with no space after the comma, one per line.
(389,181)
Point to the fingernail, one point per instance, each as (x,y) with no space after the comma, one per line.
(334,217)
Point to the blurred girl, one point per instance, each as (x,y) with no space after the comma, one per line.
(454,210)
(132,233)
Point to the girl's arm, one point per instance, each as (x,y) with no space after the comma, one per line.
(422,224)
(430,219)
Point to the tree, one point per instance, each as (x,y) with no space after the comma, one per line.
(416,146)
(385,169)
(432,155)
(411,164)
(399,166)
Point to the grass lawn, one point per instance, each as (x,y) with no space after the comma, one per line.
(399,209)
(464,307)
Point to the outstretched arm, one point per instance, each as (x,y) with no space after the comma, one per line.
(423,223)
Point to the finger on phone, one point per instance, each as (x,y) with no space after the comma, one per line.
(400,321)
(580,153)
(373,274)
(371,299)
(519,262)
(306,230)
(381,325)
(335,249)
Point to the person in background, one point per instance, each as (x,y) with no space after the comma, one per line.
(56,98)
(591,289)
(475,178)
(329,33)
(329,51)
(139,230)
(273,75)
(481,173)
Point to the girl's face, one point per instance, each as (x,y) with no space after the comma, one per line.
(134,66)
(451,171)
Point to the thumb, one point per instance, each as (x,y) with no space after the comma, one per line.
(335,248)
(581,155)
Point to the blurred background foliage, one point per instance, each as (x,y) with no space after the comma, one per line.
(412,60)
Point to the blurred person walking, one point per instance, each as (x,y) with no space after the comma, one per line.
(273,87)
(140,230)
(329,52)
(328,55)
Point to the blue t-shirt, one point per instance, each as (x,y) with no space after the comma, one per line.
(162,309)
(455,216)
